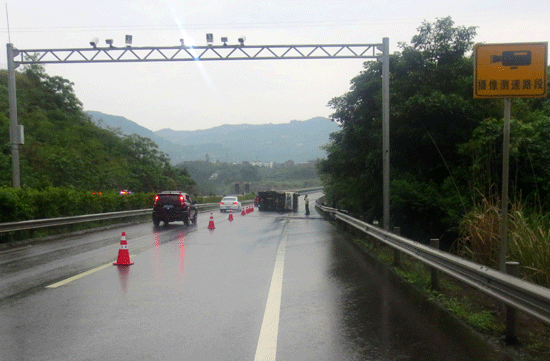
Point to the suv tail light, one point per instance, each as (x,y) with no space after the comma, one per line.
(156,200)
(182,200)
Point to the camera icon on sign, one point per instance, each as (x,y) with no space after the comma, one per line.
(513,59)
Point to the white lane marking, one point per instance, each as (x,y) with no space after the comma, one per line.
(267,343)
(83,274)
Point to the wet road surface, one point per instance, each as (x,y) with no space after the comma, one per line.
(266,286)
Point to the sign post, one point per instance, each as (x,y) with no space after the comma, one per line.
(515,70)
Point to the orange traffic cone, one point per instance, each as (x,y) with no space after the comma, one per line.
(123,255)
(243,211)
(230,216)
(211,223)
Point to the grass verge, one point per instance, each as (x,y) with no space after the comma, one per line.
(473,307)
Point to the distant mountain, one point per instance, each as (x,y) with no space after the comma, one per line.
(128,127)
(299,141)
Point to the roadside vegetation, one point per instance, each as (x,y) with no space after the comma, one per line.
(528,243)
(446,153)
(17,204)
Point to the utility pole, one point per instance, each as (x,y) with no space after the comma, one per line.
(15,136)
(386,130)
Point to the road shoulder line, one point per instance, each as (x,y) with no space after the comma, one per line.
(267,343)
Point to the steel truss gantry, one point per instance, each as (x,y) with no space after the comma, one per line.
(195,53)
(130,54)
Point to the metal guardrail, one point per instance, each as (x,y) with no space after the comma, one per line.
(61,221)
(522,295)
(309,190)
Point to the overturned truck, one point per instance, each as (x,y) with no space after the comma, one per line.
(275,201)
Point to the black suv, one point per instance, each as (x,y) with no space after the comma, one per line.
(172,206)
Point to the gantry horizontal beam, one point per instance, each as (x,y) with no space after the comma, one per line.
(196,53)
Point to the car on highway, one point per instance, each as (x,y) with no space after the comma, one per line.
(230,203)
(174,206)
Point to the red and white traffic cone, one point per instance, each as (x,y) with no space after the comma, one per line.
(211,223)
(123,255)
(230,216)
(243,211)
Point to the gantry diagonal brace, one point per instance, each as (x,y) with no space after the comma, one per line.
(195,53)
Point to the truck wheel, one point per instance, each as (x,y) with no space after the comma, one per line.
(186,220)
(156,221)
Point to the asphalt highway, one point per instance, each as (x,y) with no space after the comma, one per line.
(266,286)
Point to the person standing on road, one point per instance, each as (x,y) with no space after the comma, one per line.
(306,201)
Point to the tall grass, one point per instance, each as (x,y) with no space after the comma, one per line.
(479,234)
(528,238)
(529,244)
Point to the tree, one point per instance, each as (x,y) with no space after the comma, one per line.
(529,157)
(432,112)
(249,173)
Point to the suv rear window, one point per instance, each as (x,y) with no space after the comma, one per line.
(170,198)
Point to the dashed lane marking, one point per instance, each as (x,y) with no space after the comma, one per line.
(80,275)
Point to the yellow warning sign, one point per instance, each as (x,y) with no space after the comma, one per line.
(513,70)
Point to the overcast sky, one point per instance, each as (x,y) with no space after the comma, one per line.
(191,95)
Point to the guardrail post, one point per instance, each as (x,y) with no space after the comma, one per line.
(374,241)
(344,225)
(434,243)
(513,269)
(396,253)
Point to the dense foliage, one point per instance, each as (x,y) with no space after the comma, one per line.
(64,148)
(17,204)
(445,146)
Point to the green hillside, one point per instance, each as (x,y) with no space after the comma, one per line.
(64,148)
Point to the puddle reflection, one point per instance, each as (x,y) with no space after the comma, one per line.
(156,259)
(123,275)
(182,251)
